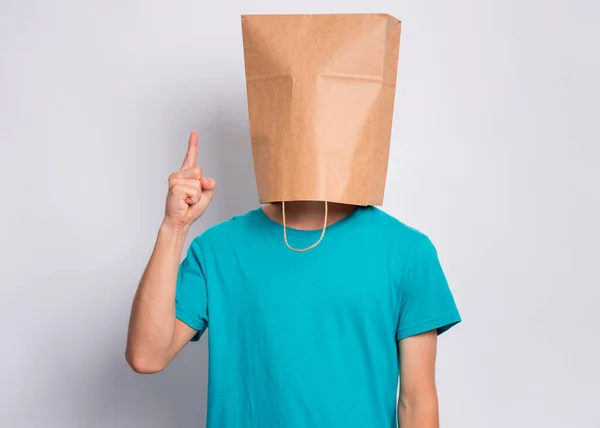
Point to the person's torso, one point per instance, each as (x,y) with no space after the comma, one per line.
(304,339)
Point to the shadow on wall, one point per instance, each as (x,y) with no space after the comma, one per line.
(113,394)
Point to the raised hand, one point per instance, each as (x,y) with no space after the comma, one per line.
(189,192)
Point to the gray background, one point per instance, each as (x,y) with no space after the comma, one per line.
(494,155)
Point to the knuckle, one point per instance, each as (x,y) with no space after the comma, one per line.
(191,171)
(191,183)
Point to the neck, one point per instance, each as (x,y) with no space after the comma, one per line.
(307,215)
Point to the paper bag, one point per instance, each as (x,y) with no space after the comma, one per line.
(320,101)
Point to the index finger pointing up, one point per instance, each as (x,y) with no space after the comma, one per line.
(192,152)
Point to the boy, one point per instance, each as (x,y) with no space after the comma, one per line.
(309,339)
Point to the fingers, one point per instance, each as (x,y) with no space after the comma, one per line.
(192,152)
(188,189)
(194,172)
(190,194)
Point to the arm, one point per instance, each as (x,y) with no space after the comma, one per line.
(418,404)
(427,310)
(155,336)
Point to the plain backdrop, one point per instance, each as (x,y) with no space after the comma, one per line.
(495,155)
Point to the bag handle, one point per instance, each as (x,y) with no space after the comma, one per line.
(300,250)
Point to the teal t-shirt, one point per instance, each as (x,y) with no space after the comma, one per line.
(309,340)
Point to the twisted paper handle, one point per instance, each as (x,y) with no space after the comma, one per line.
(299,250)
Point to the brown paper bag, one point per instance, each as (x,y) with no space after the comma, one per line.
(320,102)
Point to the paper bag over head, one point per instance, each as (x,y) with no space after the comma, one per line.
(320,102)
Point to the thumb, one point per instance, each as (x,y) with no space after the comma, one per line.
(208,189)
(208,186)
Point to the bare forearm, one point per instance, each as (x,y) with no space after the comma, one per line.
(152,322)
(422,413)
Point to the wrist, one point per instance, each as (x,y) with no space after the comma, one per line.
(173,230)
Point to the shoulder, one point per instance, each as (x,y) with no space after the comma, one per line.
(227,230)
(394,231)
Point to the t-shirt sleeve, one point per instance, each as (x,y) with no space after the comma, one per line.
(427,302)
(191,301)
